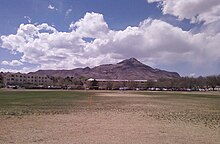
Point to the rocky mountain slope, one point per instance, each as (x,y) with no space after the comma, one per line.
(129,69)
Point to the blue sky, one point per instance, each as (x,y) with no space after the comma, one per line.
(153,31)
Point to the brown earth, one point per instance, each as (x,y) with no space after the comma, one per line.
(120,117)
(129,69)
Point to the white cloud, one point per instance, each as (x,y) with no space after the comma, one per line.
(195,10)
(92,25)
(23,70)
(68,12)
(154,42)
(9,70)
(192,75)
(28,19)
(12,63)
(52,7)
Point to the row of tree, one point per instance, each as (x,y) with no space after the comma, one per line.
(182,83)
(187,83)
(73,82)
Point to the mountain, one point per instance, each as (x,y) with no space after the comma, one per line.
(129,69)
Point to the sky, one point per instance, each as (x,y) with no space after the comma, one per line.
(181,36)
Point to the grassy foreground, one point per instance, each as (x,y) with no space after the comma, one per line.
(193,107)
(40,102)
(109,117)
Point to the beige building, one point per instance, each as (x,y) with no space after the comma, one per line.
(109,84)
(26,79)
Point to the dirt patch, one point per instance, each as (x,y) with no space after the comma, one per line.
(118,117)
(102,127)
(124,94)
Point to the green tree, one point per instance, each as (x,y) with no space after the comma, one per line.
(149,84)
(68,80)
(1,80)
(109,85)
(212,81)
(132,85)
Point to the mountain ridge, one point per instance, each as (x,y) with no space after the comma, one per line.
(129,69)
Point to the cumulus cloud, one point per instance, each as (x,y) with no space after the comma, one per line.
(12,63)
(23,70)
(154,42)
(195,10)
(92,25)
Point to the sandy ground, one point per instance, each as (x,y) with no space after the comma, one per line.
(103,126)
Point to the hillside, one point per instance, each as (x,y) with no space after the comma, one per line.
(129,69)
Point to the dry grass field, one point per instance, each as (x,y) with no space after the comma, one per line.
(54,117)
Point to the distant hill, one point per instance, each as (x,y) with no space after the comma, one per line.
(129,69)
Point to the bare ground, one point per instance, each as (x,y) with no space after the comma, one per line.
(119,118)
